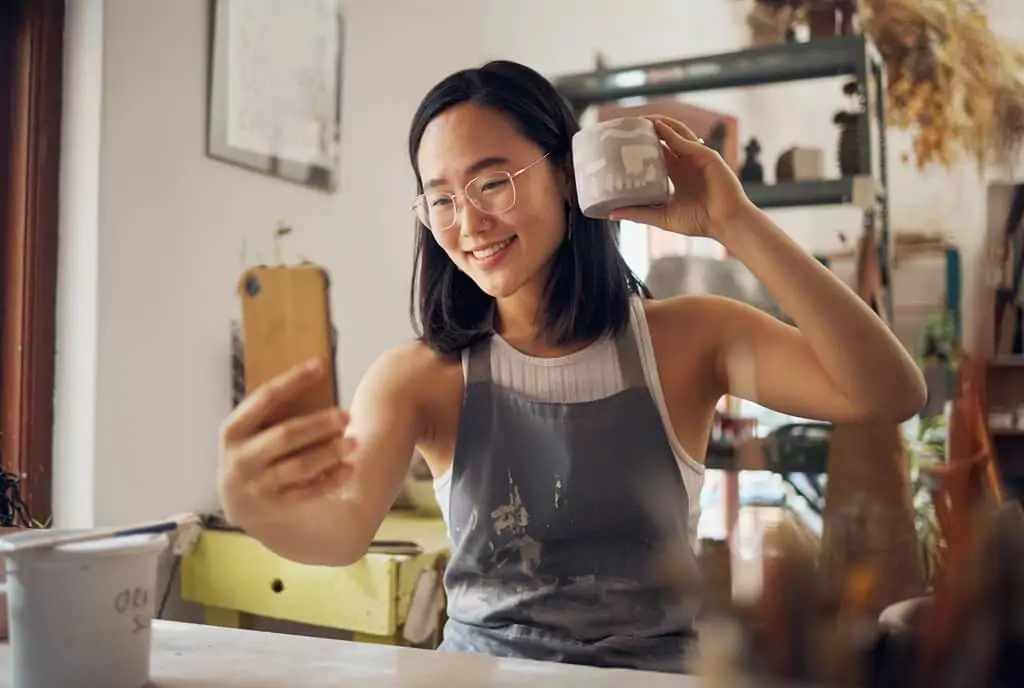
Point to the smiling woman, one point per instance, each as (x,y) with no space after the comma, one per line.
(553,304)
(563,413)
(507,127)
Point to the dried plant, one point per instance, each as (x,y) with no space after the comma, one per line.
(951,80)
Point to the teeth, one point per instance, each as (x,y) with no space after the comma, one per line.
(485,253)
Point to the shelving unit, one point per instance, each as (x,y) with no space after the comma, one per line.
(839,56)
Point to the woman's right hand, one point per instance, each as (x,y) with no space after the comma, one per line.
(267,468)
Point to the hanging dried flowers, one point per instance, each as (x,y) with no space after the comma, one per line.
(951,81)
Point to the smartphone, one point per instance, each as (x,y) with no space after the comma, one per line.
(286,320)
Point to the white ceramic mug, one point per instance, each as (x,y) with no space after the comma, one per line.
(619,163)
(80,614)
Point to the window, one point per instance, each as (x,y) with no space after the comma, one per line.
(634,247)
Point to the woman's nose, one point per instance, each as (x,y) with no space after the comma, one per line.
(473,220)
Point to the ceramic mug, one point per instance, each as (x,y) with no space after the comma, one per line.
(619,163)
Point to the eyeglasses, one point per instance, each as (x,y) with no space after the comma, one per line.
(492,193)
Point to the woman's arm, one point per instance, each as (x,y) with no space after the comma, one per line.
(841,362)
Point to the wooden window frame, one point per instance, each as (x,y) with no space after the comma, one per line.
(31,76)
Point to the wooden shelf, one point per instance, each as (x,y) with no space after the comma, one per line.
(795,194)
(816,59)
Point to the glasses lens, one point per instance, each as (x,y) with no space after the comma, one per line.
(493,193)
(436,210)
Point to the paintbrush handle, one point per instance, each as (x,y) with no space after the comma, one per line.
(162,527)
(59,539)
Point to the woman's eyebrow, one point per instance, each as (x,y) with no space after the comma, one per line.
(475,168)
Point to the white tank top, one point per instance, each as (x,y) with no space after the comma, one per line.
(589,374)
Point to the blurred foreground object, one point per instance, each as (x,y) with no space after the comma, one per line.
(814,629)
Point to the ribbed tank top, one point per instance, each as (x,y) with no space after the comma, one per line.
(586,375)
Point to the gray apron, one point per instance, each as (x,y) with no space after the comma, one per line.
(569,526)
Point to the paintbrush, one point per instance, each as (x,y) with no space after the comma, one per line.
(44,539)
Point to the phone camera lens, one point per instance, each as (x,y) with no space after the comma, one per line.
(252,286)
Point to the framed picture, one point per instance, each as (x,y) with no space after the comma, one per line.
(274,101)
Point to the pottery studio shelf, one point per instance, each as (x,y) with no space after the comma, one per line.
(819,58)
(842,191)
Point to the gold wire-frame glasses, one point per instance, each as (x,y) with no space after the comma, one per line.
(492,193)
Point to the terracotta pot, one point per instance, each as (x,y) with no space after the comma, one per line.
(822,19)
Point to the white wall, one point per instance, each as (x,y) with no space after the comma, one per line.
(152,234)
(152,230)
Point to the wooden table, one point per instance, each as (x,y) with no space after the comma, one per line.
(233,576)
(199,656)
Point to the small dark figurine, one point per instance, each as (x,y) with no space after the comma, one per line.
(849,132)
(751,171)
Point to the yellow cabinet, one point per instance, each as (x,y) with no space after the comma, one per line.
(230,574)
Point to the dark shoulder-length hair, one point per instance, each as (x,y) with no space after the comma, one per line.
(589,287)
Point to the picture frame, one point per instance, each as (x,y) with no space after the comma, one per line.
(274,88)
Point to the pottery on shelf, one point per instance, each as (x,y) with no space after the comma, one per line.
(799,164)
(849,143)
(823,18)
(849,123)
(847,16)
(751,171)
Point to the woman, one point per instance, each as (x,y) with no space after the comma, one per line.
(563,416)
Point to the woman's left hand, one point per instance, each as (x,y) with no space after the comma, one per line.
(707,194)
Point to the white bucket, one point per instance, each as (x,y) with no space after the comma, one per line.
(80,614)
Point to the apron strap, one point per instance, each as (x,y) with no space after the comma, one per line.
(478,362)
(629,359)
